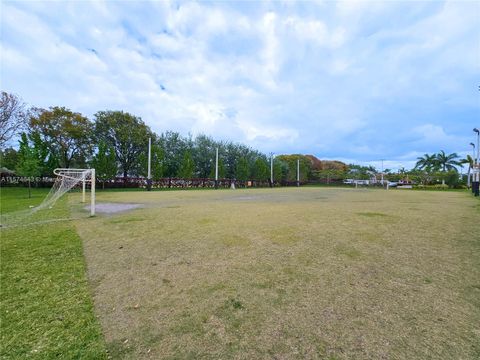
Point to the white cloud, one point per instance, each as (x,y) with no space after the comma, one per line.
(271,133)
(344,79)
(430,132)
(270,54)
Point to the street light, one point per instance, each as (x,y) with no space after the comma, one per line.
(216,168)
(382,170)
(478,144)
(472,172)
(476,184)
(271,169)
(149,171)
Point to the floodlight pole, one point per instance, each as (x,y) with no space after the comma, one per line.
(298,172)
(471,175)
(92,193)
(216,168)
(271,169)
(382,170)
(478,145)
(149,175)
(476,185)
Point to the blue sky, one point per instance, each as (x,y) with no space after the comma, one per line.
(355,81)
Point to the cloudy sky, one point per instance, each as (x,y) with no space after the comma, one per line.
(357,81)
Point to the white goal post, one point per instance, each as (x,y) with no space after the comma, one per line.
(83,175)
(67,178)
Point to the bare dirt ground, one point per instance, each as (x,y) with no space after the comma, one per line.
(287,274)
(112,208)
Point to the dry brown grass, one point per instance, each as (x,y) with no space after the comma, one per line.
(288,274)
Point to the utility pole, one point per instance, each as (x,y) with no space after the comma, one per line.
(149,175)
(382,170)
(471,174)
(216,168)
(476,184)
(271,169)
(298,172)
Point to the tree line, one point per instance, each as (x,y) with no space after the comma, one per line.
(115,143)
(442,166)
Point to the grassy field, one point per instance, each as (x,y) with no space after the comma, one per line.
(246,274)
(287,274)
(46,309)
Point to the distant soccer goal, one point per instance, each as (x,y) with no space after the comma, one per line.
(66,180)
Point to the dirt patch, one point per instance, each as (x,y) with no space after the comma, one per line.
(202,274)
(112,208)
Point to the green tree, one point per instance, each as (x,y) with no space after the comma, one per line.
(242,170)
(66,133)
(126,134)
(9,158)
(48,160)
(447,162)
(291,161)
(330,174)
(427,163)
(280,170)
(187,168)
(360,172)
(468,160)
(105,163)
(421,176)
(157,163)
(204,155)
(232,153)
(221,169)
(260,170)
(452,178)
(174,147)
(28,163)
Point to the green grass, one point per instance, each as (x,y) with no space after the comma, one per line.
(46,307)
(16,198)
(288,273)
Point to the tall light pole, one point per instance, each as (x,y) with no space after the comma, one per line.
(478,144)
(382,169)
(476,184)
(271,169)
(216,168)
(298,172)
(471,174)
(149,172)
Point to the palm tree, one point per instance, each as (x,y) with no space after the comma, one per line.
(447,162)
(427,162)
(468,160)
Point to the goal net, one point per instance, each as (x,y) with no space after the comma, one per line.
(66,180)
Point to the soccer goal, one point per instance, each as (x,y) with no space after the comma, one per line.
(66,180)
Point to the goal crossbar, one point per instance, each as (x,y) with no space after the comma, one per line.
(74,173)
